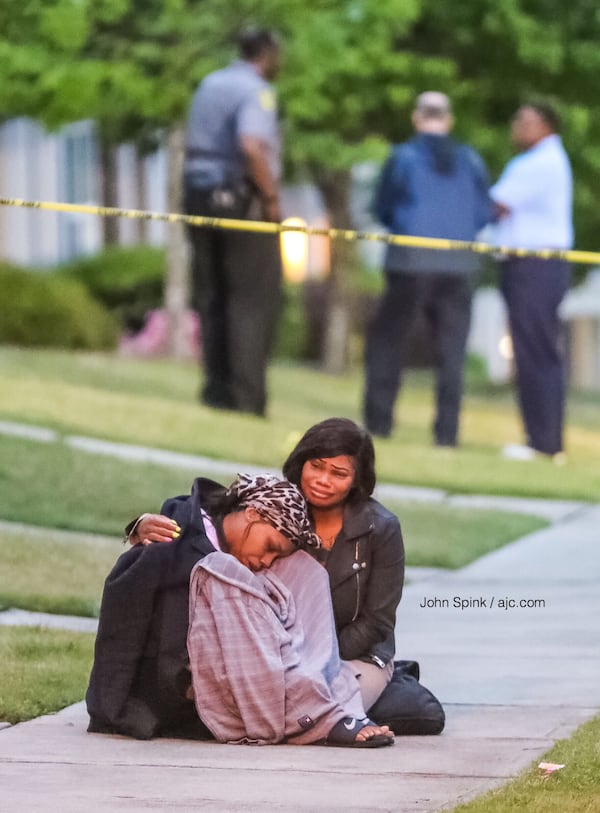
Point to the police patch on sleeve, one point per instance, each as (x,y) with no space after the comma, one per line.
(267,99)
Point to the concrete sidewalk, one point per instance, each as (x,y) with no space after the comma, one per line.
(512,680)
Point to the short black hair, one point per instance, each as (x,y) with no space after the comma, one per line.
(330,438)
(253,42)
(548,113)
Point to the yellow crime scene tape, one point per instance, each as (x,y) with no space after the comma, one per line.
(264,227)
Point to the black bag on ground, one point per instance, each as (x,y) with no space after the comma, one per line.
(406,706)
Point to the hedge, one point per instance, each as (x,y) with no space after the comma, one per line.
(41,309)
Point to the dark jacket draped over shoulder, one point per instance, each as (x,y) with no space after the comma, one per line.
(140,674)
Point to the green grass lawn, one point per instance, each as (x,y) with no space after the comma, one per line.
(54,486)
(573,789)
(447,537)
(41,671)
(63,572)
(54,571)
(154,403)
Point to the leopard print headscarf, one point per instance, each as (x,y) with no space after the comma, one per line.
(280,503)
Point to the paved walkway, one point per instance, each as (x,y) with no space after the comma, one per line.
(513,679)
(552,510)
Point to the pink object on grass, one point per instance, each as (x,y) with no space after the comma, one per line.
(152,338)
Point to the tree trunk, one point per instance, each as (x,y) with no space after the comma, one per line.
(335,186)
(177,275)
(110,192)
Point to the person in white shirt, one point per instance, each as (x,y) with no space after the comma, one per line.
(533,200)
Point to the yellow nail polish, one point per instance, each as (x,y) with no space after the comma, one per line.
(175,534)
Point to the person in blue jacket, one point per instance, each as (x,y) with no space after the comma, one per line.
(430,186)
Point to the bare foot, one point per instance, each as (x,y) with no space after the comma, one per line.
(372,731)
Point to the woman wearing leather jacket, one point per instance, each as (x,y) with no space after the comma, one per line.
(363,552)
(143,684)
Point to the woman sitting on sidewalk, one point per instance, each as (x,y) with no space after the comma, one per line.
(264,667)
(363,554)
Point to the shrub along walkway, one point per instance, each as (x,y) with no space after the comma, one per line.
(510,644)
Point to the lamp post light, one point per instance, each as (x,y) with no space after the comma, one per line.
(294,250)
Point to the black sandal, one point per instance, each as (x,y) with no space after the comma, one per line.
(343,735)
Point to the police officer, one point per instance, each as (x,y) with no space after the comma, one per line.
(232,170)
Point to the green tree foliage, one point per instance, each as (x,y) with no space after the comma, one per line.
(124,63)
(507,52)
(344,80)
(345,84)
(351,70)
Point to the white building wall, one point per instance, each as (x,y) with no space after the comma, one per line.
(489,334)
(78,182)
(28,162)
(153,185)
(64,166)
(155,169)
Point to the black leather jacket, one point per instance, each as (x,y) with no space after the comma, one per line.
(366,573)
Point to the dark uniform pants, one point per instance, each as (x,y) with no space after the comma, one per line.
(236,289)
(533,289)
(446,298)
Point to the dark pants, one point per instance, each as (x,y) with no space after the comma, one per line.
(446,298)
(533,289)
(236,289)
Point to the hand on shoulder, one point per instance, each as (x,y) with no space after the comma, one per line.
(153,528)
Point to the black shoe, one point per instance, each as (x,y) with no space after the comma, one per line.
(377,432)
(217,403)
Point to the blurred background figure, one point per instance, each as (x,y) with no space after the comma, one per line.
(430,186)
(232,170)
(534,206)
